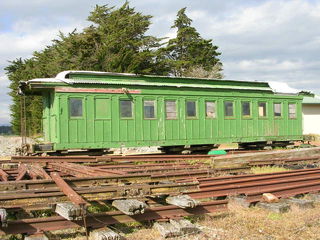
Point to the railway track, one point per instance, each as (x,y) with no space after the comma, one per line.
(34,183)
(98,220)
(119,159)
(284,184)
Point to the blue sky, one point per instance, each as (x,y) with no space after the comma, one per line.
(266,40)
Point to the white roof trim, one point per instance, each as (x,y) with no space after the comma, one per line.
(62,76)
(282,87)
(53,80)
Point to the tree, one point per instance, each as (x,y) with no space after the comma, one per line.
(199,72)
(189,50)
(115,42)
(125,46)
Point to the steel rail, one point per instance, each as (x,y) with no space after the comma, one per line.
(259,178)
(232,177)
(73,196)
(29,198)
(286,191)
(246,188)
(283,161)
(30,226)
(78,182)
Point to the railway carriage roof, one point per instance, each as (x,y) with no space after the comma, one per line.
(108,78)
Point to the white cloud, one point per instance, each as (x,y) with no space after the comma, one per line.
(263,65)
(196,14)
(23,44)
(273,40)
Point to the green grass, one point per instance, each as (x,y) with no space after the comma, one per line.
(96,207)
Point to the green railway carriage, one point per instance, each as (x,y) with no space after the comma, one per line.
(96,110)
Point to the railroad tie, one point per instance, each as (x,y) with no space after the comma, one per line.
(182,201)
(3,217)
(130,206)
(167,229)
(38,236)
(278,207)
(300,203)
(175,228)
(69,211)
(185,226)
(105,234)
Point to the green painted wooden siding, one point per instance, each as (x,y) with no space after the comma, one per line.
(102,127)
(50,118)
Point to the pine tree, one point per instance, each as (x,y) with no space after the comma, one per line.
(189,50)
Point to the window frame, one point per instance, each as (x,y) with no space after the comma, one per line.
(196,108)
(281,110)
(82,107)
(155,109)
(176,108)
(250,109)
(215,108)
(233,109)
(295,113)
(266,116)
(132,108)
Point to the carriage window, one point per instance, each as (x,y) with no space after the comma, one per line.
(292,110)
(149,109)
(262,109)
(246,109)
(277,109)
(75,107)
(228,108)
(191,109)
(126,108)
(171,109)
(210,109)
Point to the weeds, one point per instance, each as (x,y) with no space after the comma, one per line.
(267,169)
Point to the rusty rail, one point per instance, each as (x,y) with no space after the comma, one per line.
(67,190)
(40,182)
(34,225)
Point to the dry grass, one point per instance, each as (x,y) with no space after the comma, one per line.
(251,224)
(267,169)
(236,224)
(5,158)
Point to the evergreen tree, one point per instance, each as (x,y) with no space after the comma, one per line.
(126,48)
(189,50)
(115,42)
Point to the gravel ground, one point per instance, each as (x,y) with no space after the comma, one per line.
(8,145)
(135,150)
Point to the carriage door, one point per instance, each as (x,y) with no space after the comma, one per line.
(150,131)
(191,119)
(229,124)
(77,126)
(46,117)
(127,121)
